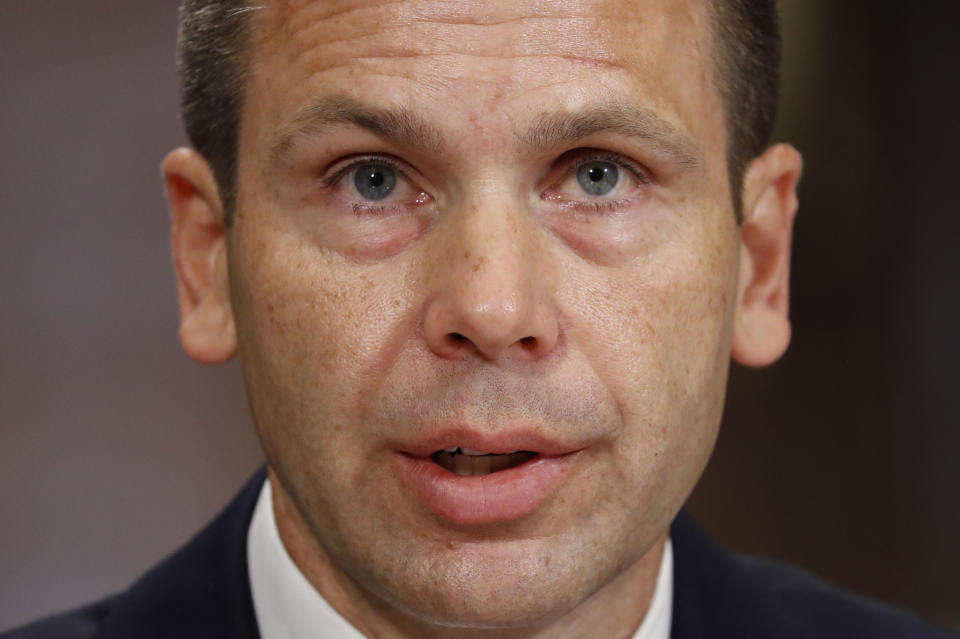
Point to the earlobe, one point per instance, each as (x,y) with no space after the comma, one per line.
(198,241)
(761,331)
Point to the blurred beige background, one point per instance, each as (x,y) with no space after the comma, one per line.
(115,448)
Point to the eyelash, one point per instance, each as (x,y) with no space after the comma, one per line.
(582,157)
(585,156)
(360,160)
(366,209)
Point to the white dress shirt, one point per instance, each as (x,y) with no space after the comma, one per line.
(288,607)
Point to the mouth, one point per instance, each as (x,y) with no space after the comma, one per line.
(467,462)
(469,478)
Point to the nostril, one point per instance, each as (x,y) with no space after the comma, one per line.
(529,342)
(456,338)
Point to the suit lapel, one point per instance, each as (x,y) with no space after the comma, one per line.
(202,591)
(713,595)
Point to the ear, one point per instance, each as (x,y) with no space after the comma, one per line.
(198,239)
(761,331)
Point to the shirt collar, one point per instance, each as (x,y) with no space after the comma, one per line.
(288,607)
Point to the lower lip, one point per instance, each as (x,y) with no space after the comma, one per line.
(484,499)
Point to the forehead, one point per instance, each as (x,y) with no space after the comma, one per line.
(595,30)
(487,60)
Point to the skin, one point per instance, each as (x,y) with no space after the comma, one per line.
(488,291)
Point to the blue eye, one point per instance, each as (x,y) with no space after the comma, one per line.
(374,181)
(598,177)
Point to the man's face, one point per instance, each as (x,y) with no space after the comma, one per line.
(502,226)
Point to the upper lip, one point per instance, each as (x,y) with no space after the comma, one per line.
(501,441)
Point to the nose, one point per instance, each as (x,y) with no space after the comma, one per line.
(491,295)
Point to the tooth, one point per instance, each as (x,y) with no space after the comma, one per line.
(472,465)
(460,464)
(444,459)
(500,462)
(470,451)
(483,465)
(451,450)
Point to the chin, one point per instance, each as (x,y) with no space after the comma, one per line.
(496,605)
(517,585)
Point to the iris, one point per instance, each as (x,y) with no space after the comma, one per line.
(374,181)
(598,178)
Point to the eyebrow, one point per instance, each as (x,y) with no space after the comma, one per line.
(399,124)
(552,130)
(549,131)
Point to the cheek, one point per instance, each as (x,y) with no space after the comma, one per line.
(658,336)
(315,333)
(658,329)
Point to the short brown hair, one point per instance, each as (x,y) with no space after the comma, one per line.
(212,60)
(748,72)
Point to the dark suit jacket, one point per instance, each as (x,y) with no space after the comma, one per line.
(202,592)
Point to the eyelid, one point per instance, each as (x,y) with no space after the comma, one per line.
(586,155)
(345,166)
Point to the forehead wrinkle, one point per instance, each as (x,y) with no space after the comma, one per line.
(555,129)
(579,59)
(319,41)
(432,25)
(395,123)
(402,12)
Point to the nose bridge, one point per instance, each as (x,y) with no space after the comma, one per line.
(489,296)
(495,267)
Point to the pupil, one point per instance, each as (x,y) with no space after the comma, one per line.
(596,174)
(376,179)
